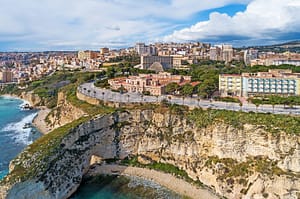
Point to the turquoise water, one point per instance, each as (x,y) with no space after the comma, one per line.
(13,138)
(120,187)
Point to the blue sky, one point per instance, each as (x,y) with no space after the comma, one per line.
(35,25)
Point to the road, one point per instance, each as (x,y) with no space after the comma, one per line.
(90,90)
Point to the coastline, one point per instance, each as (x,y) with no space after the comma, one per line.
(39,121)
(164,179)
(42,112)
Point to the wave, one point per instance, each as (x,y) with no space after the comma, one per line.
(23,103)
(9,97)
(21,135)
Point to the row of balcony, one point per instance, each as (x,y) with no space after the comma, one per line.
(272,81)
(273,86)
(271,91)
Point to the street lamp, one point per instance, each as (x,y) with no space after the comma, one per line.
(103,93)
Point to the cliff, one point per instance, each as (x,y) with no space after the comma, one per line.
(63,113)
(245,162)
(32,98)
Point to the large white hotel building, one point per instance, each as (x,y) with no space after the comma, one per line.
(273,82)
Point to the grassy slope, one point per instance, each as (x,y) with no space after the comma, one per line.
(49,144)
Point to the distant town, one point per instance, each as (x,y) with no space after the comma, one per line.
(24,67)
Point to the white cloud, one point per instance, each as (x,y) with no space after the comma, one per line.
(77,24)
(261,20)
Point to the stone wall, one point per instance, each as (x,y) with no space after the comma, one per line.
(87,99)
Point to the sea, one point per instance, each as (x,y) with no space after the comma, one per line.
(15,131)
(14,138)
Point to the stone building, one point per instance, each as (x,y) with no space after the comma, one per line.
(153,83)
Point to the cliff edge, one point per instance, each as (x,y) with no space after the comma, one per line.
(236,162)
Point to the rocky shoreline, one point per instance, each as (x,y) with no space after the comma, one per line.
(166,180)
(39,121)
(246,162)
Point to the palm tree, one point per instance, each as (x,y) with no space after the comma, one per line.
(273,105)
(142,96)
(257,105)
(198,99)
(241,106)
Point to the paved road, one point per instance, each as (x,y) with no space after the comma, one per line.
(89,89)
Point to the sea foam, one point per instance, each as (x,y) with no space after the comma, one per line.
(20,134)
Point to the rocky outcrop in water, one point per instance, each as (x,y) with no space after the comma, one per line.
(236,163)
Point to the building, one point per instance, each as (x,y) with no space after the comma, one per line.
(230,85)
(6,76)
(85,55)
(104,51)
(295,62)
(151,62)
(221,53)
(215,53)
(227,53)
(153,83)
(142,49)
(274,82)
(249,55)
(177,61)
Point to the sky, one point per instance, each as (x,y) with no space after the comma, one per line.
(38,25)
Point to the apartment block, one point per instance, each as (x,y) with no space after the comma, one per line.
(85,55)
(6,76)
(230,85)
(274,82)
(221,53)
(104,51)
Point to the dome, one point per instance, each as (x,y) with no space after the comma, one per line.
(157,67)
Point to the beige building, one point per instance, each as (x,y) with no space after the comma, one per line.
(221,53)
(104,51)
(230,85)
(6,76)
(85,55)
(153,83)
(227,53)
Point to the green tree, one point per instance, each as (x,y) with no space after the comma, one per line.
(171,88)
(187,90)
(111,71)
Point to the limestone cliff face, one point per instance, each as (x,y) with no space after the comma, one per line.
(32,98)
(64,113)
(236,163)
